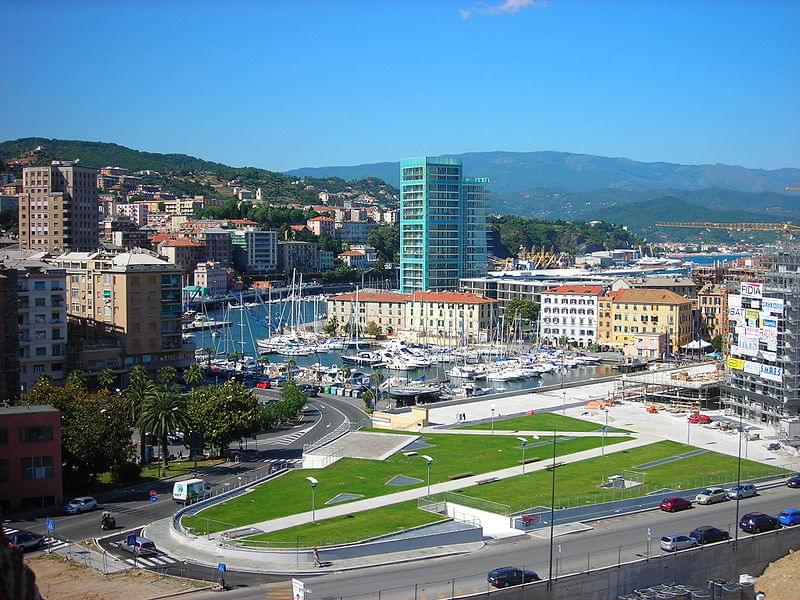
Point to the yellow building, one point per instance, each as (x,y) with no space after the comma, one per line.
(643,310)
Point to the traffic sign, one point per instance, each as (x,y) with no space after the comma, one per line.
(153,493)
(153,499)
(221,567)
(131,540)
(649,534)
(51,525)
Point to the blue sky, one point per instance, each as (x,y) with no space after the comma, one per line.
(301,83)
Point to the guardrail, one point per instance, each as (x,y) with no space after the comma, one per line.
(345,427)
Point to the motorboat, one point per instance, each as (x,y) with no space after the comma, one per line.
(370,359)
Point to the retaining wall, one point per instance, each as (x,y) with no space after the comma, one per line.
(691,567)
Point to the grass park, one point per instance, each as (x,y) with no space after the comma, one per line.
(543,421)
(453,455)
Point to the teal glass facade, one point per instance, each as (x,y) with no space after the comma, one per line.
(442,224)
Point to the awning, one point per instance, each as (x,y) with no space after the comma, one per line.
(696,345)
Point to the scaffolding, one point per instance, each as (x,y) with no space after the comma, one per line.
(685,390)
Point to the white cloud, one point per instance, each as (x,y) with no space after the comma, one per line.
(504,7)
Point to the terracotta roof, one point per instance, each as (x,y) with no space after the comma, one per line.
(583,290)
(162,237)
(182,242)
(352,253)
(297,227)
(243,222)
(452,297)
(374,297)
(320,218)
(648,296)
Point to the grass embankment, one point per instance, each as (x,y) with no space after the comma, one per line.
(351,528)
(578,483)
(452,454)
(544,421)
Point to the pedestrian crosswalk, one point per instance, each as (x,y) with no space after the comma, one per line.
(152,561)
(292,462)
(287,439)
(50,543)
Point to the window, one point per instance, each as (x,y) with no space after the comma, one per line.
(41,351)
(39,302)
(39,285)
(3,436)
(36,434)
(4,471)
(37,467)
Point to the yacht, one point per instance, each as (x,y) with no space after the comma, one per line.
(370,359)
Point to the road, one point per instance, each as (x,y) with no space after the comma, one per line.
(611,540)
(131,506)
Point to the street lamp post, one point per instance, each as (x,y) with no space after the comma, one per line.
(738,480)
(552,513)
(524,443)
(313,483)
(492,419)
(605,428)
(428,460)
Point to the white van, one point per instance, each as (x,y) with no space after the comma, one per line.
(190,490)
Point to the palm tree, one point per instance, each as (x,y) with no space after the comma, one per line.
(209,352)
(137,394)
(106,378)
(193,375)
(290,365)
(162,413)
(167,376)
(77,379)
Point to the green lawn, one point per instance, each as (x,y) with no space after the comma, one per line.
(352,528)
(452,454)
(578,483)
(544,421)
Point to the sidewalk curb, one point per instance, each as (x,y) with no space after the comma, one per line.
(322,571)
(183,593)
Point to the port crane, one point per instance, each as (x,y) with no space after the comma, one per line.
(784,227)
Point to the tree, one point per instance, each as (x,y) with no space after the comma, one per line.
(137,395)
(209,352)
(106,378)
(372,329)
(138,373)
(193,375)
(95,435)
(332,326)
(386,240)
(525,309)
(368,397)
(224,413)
(76,379)
(716,343)
(167,376)
(164,412)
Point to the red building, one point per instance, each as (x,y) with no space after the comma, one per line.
(30,457)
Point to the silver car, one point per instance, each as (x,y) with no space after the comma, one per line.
(672,542)
(80,505)
(711,496)
(745,490)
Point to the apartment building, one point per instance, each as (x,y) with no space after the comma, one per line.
(211,276)
(433,317)
(712,304)
(649,311)
(58,208)
(683,286)
(320,225)
(255,252)
(303,256)
(442,224)
(9,335)
(570,312)
(136,212)
(184,253)
(218,244)
(42,318)
(764,361)
(132,303)
(30,457)
(354,232)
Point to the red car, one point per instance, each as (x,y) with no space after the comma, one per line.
(264,384)
(699,419)
(674,504)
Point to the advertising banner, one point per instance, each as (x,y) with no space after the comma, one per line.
(737,364)
(734,301)
(751,290)
(773,305)
(736,314)
(748,345)
(753,368)
(772,373)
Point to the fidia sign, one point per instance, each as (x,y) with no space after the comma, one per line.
(751,290)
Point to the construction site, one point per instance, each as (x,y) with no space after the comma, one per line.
(692,389)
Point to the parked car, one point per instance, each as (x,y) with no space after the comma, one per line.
(264,384)
(311,391)
(506,576)
(674,504)
(789,516)
(80,505)
(140,546)
(745,490)
(26,540)
(756,522)
(699,419)
(672,542)
(711,496)
(794,481)
(706,534)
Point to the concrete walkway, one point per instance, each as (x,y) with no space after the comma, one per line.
(524,433)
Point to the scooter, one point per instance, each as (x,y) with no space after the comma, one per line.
(107,521)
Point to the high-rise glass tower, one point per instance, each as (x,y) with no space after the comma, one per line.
(442,224)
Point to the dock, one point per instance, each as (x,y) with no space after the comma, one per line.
(204,325)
